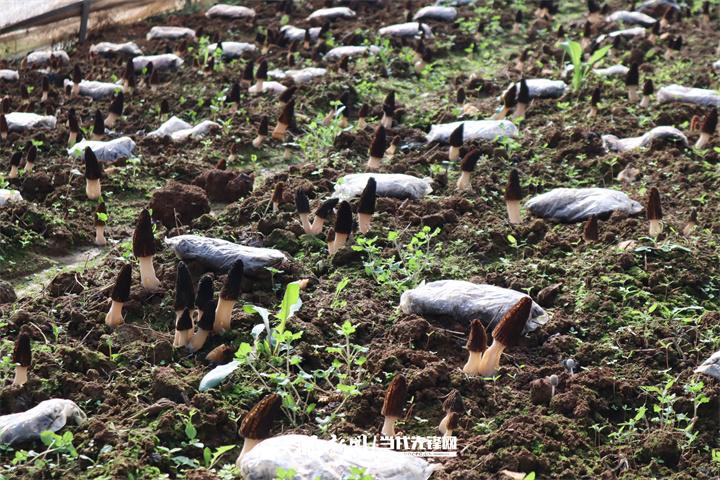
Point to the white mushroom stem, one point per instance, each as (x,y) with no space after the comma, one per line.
(373,162)
(593,112)
(331,247)
(632,91)
(276,206)
(520,110)
(257,141)
(44,97)
(361,123)
(287,154)
(317,225)
(390,150)
(110,120)
(443,424)
(453,153)
(198,340)
(3,135)
(463,182)
(29,167)
(279,131)
(703,140)
(13,172)
(386,121)
(364,220)
(388,428)
(513,211)
(343,122)
(114,316)
(223,315)
(645,102)
(516,28)
(257,88)
(472,367)
(92,188)
(100,235)
(689,228)
(248,444)
(72,139)
(181,336)
(340,241)
(490,360)
(75,90)
(448,433)
(21,375)
(147,273)
(501,114)
(656,227)
(305,221)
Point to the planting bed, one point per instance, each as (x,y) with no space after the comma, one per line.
(637,319)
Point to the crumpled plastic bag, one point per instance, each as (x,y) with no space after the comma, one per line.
(293,33)
(217,375)
(109,49)
(349,51)
(170,126)
(22,121)
(232,50)
(409,29)
(332,13)
(650,5)
(9,75)
(543,88)
(679,94)
(305,75)
(631,18)
(465,301)
(445,14)
(117,149)
(229,11)
(615,144)
(9,196)
(474,130)
(273,87)
(48,415)
(165,61)
(572,205)
(711,366)
(628,32)
(219,255)
(41,58)
(201,130)
(716,66)
(613,71)
(454,3)
(311,457)
(96,90)
(170,33)
(394,185)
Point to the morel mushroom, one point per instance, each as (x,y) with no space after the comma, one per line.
(100,221)
(255,427)
(456,142)
(366,208)
(322,214)
(453,406)
(228,296)
(709,125)
(392,409)
(22,357)
(505,334)
(654,212)
(513,196)
(119,295)
(144,249)
(343,226)
(467,166)
(93,174)
(377,148)
(476,345)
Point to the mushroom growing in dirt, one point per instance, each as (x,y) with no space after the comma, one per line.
(392,409)
(691,225)
(129,80)
(322,214)
(277,195)
(377,148)
(100,220)
(707,130)
(22,356)
(144,249)
(205,327)
(362,114)
(505,334)
(517,24)
(3,127)
(184,300)
(30,157)
(116,109)
(164,109)
(204,295)
(647,93)
(594,101)
(632,82)
(590,230)
(523,100)
(284,121)
(366,208)
(98,130)
(183,329)
(93,174)
(654,212)
(119,295)
(262,132)
(255,427)
(455,141)
(453,407)
(45,89)
(260,76)
(302,204)
(343,226)
(476,345)
(73,127)
(394,144)
(466,168)
(388,110)
(513,196)
(151,78)
(15,160)
(233,97)
(287,95)
(248,75)
(509,101)
(228,296)
(77,78)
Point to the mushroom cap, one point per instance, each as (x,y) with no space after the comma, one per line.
(204,292)
(648,87)
(395,396)
(185,321)
(511,325)
(278,191)
(248,71)
(510,97)
(143,237)
(31,154)
(654,208)
(77,74)
(524,93)
(15,159)
(257,422)
(207,320)
(454,402)
(98,123)
(262,71)
(368,197)
(470,160)
(379,142)
(590,229)
(231,287)
(513,191)
(477,339)
(595,99)
(92,166)
(288,112)
(710,122)
(22,354)
(344,220)
(325,209)
(364,110)
(632,77)
(118,104)
(456,137)
(302,204)
(184,290)
(287,94)
(121,289)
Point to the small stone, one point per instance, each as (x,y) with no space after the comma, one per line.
(540,392)
(7,293)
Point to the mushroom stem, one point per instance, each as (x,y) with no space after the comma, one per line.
(361,123)
(258,87)
(29,167)
(501,114)
(520,110)
(453,153)
(181,336)
(388,428)
(258,141)
(198,340)
(703,140)
(110,120)
(472,367)
(75,90)
(114,317)
(513,211)
(340,240)
(645,102)
(632,91)
(490,360)
(373,163)
(21,375)
(656,227)
(248,444)
(100,235)
(463,182)
(96,136)
(593,112)
(147,273)
(44,97)
(386,121)
(317,225)
(13,172)
(223,315)
(443,423)
(364,220)
(92,188)
(304,220)
(72,139)
(279,131)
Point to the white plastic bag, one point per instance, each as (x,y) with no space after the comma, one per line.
(631,18)
(543,88)
(650,5)
(232,50)
(332,13)
(444,14)
(697,96)
(571,205)
(230,11)
(109,49)
(467,301)
(474,130)
(402,30)
(293,33)
(202,129)
(117,149)
(22,121)
(170,126)
(96,90)
(48,415)
(394,185)
(9,196)
(170,33)
(613,71)
(219,255)
(313,458)
(615,144)
(165,61)
(9,75)
(711,366)
(349,51)
(305,75)
(41,58)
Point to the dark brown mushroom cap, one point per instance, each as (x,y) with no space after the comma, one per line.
(3,123)
(5,105)
(364,110)
(121,289)
(302,204)
(693,216)
(129,74)
(454,402)
(248,71)
(596,94)
(477,339)
(15,159)
(710,122)
(231,287)
(470,160)
(73,124)
(513,191)
(31,155)
(453,420)
(143,237)
(590,229)
(587,30)
(287,94)
(390,101)
(185,321)
(456,137)
(278,191)
(654,209)
(118,104)
(77,74)
(524,93)
(98,123)
(593,6)
(45,84)
(92,166)
(344,220)
(257,422)
(379,142)
(388,110)
(511,325)
(164,106)
(330,237)
(510,97)
(648,87)
(221,164)
(153,78)
(100,211)
(325,209)
(22,354)
(262,71)
(288,112)
(395,397)
(368,197)
(518,16)
(204,292)
(207,320)
(632,77)
(184,290)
